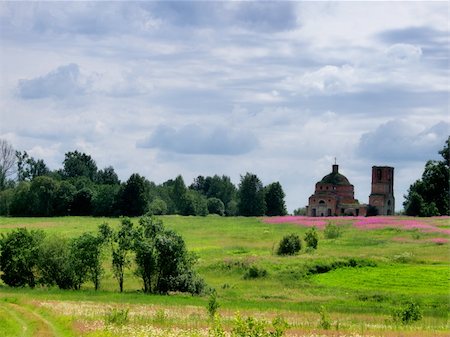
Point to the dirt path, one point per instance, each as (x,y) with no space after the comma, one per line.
(33,324)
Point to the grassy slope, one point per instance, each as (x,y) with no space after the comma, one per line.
(411,268)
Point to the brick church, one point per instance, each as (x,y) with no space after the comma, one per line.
(335,196)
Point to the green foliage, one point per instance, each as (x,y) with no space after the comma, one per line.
(107,176)
(216,206)
(104,202)
(212,305)
(28,168)
(135,196)
(121,243)
(311,238)
(372,210)
(274,198)
(300,211)
(77,164)
(117,316)
(428,196)
(324,321)
(254,272)
(42,194)
(55,264)
(6,198)
(19,251)
(157,207)
(86,258)
(251,196)
(193,203)
(332,231)
(409,313)
(255,328)
(289,245)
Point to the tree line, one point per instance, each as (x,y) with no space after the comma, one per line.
(161,260)
(80,188)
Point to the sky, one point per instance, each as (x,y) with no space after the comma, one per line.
(278,89)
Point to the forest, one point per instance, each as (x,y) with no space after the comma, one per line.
(29,188)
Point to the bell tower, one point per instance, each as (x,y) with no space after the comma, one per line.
(382,195)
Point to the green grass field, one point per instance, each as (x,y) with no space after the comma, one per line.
(393,265)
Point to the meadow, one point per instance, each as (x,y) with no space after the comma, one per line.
(353,282)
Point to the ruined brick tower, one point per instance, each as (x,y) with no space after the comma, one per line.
(382,195)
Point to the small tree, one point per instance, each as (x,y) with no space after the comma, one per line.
(311,238)
(19,251)
(157,207)
(408,314)
(332,231)
(121,242)
(289,245)
(86,257)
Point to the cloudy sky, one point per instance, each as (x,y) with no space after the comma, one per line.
(278,89)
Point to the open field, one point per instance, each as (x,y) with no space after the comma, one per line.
(359,278)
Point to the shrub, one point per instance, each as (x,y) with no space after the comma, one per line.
(212,305)
(254,272)
(324,322)
(409,313)
(216,206)
(311,238)
(332,231)
(117,316)
(19,251)
(289,245)
(157,207)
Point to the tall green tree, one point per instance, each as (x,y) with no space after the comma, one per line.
(28,168)
(78,164)
(251,196)
(274,196)
(430,195)
(135,196)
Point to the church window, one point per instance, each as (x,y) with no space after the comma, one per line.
(321,202)
(379,174)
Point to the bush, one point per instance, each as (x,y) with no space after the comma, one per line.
(216,206)
(19,251)
(289,245)
(324,322)
(254,272)
(332,231)
(311,238)
(117,316)
(409,313)
(157,207)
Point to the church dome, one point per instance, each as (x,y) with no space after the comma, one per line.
(335,178)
